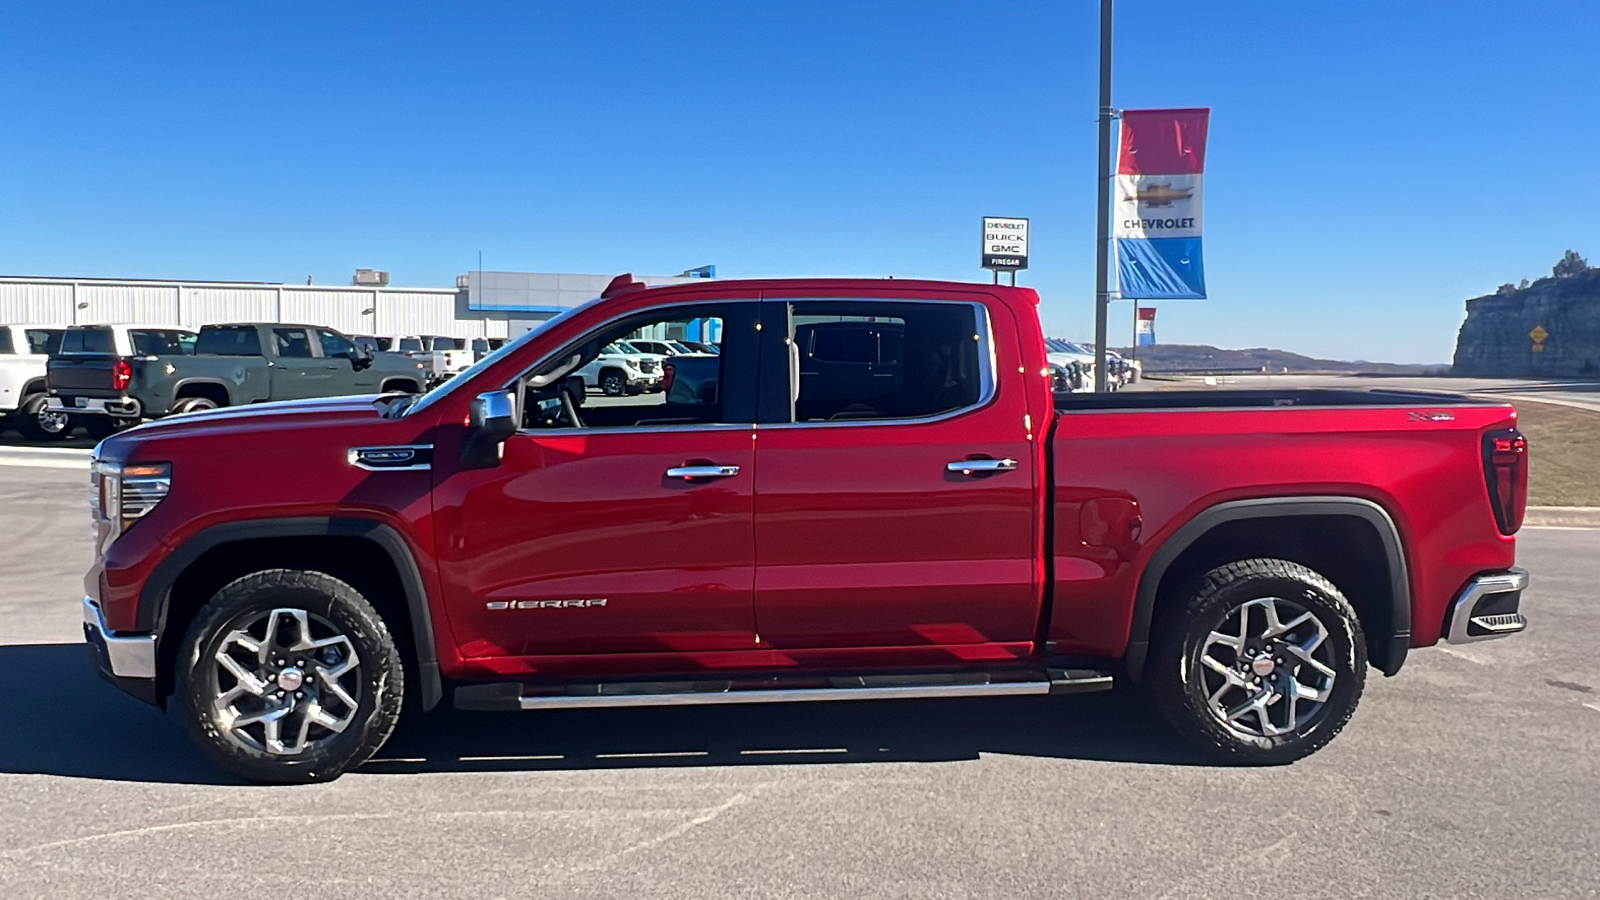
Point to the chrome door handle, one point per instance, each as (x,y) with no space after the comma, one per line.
(691,472)
(980,466)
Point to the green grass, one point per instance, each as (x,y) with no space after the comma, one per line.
(1563,454)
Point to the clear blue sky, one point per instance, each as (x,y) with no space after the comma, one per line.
(1372,164)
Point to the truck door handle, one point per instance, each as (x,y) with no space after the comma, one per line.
(980,466)
(689,473)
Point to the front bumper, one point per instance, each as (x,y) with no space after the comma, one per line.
(127,661)
(121,407)
(1487,608)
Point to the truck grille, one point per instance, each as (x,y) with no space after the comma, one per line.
(649,366)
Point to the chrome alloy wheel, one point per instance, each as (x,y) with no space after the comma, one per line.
(1268,667)
(286,682)
(52,422)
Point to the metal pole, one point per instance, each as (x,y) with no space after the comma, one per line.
(1133,346)
(1102,262)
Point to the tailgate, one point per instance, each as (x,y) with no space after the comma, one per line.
(81,375)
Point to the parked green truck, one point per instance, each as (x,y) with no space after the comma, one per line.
(232,365)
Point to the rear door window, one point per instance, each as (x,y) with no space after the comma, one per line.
(161,342)
(292,343)
(6,347)
(884,360)
(87,340)
(229,340)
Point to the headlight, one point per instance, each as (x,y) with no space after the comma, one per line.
(125,493)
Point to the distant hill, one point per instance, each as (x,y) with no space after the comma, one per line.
(1203,358)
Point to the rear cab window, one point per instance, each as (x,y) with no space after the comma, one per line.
(87,340)
(6,347)
(44,341)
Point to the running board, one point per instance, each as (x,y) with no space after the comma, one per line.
(510,695)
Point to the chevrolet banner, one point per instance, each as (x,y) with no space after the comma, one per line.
(1156,217)
(1145,332)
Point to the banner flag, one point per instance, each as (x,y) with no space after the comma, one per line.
(1158,202)
(1145,336)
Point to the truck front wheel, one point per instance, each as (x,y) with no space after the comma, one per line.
(1264,664)
(289,676)
(613,383)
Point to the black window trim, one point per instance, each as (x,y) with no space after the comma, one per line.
(741,424)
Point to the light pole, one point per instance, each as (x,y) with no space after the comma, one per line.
(1102,260)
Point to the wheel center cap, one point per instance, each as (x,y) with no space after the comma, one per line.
(1263,665)
(291,678)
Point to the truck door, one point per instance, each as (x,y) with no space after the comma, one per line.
(339,359)
(866,535)
(612,525)
(297,372)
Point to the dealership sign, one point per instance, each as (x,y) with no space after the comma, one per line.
(1005,243)
(1158,198)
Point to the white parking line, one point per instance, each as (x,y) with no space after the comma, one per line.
(45,458)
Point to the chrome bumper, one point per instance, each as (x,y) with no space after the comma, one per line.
(127,656)
(1487,608)
(126,408)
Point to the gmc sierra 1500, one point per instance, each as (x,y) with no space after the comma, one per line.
(920,517)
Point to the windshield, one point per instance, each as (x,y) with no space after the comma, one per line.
(679,347)
(508,348)
(1057,345)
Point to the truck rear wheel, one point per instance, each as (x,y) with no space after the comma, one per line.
(1264,664)
(289,676)
(39,424)
(193,405)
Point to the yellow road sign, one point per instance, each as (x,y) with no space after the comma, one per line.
(1538,334)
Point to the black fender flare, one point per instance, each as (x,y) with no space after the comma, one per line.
(33,386)
(1399,640)
(178,387)
(153,598)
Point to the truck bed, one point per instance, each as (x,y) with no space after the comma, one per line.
(1227,399)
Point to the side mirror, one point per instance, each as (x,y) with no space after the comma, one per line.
(362,359)
(493,418)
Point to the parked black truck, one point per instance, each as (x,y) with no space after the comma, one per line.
(231,365)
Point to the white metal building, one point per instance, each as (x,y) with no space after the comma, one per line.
(486,304)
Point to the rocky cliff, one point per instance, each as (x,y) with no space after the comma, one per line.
(1494,340)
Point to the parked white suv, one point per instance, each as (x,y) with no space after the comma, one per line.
(616,371)
(24,349)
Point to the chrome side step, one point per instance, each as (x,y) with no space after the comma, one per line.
(507,696)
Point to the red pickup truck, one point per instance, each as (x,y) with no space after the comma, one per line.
(895,506)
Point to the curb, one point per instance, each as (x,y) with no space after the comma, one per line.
(1563,516)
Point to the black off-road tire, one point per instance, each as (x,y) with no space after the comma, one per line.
(613,383)
(29,424)
(380,671)
(1174,674)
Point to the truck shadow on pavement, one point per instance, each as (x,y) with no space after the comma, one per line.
(63,720)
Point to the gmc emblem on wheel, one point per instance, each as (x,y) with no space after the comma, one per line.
(545,604)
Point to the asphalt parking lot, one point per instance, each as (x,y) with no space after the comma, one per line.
(1475,773)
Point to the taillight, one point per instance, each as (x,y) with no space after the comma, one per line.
(1505,468)
(669,373)
(121,374)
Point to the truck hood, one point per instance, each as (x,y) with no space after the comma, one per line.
(278,415)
